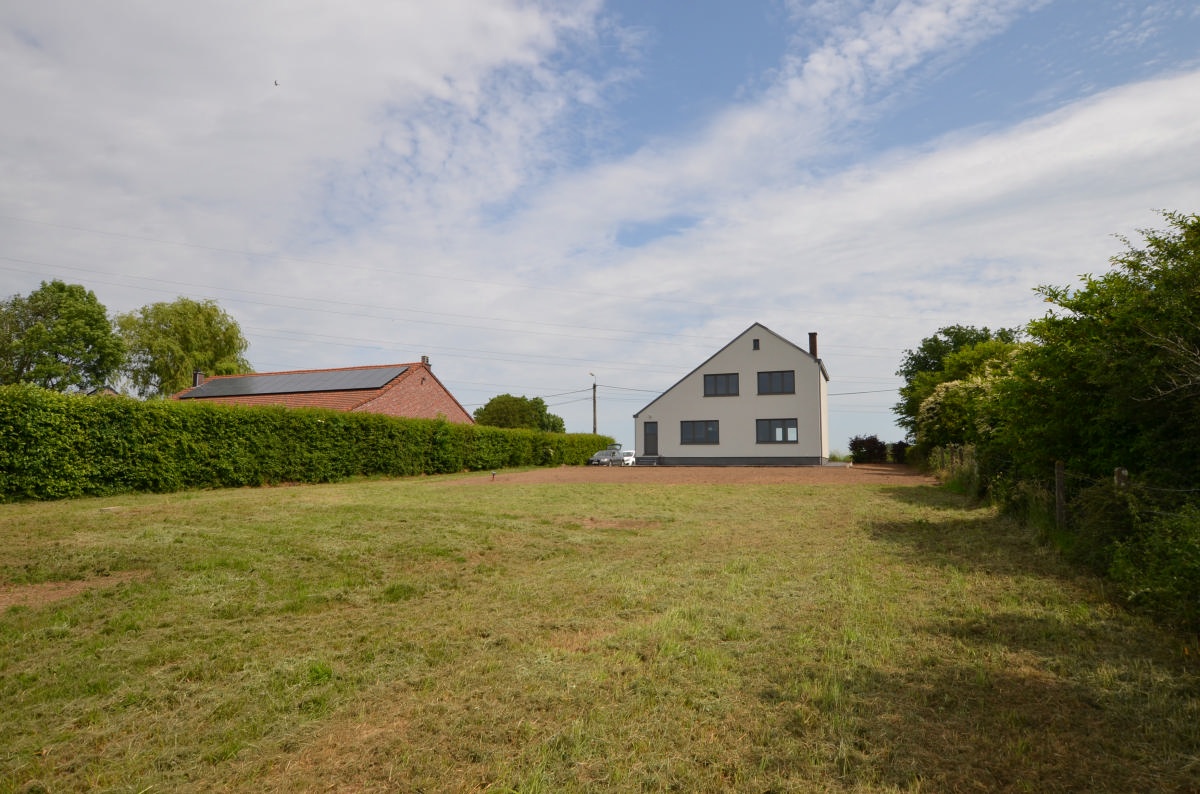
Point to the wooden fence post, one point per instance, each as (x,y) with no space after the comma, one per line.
(1060,494)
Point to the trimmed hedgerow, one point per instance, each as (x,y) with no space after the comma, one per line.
(55,446)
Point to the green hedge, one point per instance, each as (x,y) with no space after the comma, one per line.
(1158,568)
(55,446)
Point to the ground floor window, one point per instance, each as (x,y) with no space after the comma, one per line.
(705,431)
(777,431)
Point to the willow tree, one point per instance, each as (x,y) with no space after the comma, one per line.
(167,342)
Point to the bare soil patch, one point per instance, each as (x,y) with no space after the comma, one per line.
(863,474)
(42,593)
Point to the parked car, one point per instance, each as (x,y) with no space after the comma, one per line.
(628,457)
(611,456)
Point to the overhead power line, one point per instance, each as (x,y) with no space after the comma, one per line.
(873,391)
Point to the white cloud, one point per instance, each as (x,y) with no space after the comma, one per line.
(177,112)
(887,252)
(415,185)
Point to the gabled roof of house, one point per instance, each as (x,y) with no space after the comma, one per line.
(731,342)
(393,389)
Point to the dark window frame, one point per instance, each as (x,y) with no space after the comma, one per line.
(718,384)
(779,381)
(764,431)
(699,431)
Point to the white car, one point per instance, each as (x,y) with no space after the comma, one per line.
(628,457)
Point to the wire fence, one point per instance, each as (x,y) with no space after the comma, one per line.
(1062,490)
(1140,531)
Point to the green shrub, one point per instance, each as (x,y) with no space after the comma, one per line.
(868,449)
(55,446)
(1159,568)
(1032,504)
(1100,517)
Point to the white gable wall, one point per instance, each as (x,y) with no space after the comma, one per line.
(738,415)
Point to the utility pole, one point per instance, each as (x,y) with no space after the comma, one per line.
(593,374)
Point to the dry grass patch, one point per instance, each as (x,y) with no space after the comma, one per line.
(44,593)
(592,636)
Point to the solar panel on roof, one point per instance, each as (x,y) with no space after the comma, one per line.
(297,382)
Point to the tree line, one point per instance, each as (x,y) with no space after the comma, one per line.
(61,338)
(1105,385)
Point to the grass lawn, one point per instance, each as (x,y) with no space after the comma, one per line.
(457,634)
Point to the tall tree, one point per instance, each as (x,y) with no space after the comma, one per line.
(58,337)
(925,368)
(167,342)
(505,410)
(1111,378)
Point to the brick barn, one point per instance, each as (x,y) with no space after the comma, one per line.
(402,390)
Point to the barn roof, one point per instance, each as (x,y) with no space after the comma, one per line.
(349,379)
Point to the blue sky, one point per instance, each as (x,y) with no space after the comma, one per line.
(530,192)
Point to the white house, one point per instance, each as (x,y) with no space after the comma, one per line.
(759,401)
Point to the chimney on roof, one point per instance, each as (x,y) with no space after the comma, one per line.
(812,344)
(197,378)
(425,360)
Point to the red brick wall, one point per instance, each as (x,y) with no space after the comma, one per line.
(419,394)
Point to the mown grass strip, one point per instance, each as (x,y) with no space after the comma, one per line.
(421,634)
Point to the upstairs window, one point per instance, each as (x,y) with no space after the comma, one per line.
(724,385)
(778,382)
(705,431)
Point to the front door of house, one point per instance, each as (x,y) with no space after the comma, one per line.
(650,438)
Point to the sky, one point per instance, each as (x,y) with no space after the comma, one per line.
(540,196)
